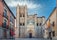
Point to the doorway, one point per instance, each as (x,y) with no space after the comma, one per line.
(30,35)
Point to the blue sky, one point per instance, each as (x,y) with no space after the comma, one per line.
(40,7)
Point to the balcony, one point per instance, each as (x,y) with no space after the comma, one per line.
(4,25)
(5,15)
(11,20)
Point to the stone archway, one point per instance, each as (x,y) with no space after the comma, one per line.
(30,33)
(30,30)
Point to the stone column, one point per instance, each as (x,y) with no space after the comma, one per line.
(17,21)
(25,19)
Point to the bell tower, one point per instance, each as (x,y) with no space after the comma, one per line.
(21,19)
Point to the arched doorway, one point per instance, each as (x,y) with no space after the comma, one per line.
(30,30)
(30,33)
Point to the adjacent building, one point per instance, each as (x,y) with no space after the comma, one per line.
(51,25)
(28,25)
(7,20)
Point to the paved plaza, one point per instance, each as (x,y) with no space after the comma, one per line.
(29,39)
(28,20)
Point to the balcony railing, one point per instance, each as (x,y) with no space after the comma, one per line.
(5,15)
(4,25)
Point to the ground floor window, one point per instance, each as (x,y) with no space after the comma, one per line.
(53,33)
(49,34)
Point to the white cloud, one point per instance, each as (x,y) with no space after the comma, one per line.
(30,5)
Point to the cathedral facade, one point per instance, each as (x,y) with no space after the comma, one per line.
(28,25)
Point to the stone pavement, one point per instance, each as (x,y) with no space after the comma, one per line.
(29,39)
(25,39)
(54,38)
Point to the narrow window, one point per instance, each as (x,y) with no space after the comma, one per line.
(23,24)
(20,15)
(4,23)
(23,15)
(37,24)
(53,24)
(20,24)
(53,33)
(5,13)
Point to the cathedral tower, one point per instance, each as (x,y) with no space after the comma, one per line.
(21,20)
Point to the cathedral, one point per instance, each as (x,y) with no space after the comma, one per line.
(28,26)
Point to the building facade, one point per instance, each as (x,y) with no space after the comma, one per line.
(51,24)
(7,20)
(28,25)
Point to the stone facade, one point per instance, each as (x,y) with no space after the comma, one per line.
(53,23)
(27,24)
